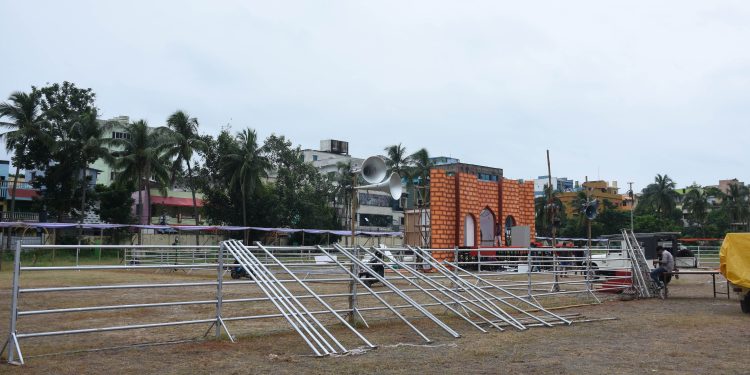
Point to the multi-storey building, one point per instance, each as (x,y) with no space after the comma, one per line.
(561,184)
(377,210)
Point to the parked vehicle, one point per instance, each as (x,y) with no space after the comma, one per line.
(734,264)
(616,258)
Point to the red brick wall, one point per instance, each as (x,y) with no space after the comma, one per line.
(448,210)
(518,201)
(442,209)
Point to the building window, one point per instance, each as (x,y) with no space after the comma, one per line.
(373,220)
(376,200)
(120,135)
(487,177)
(315,157)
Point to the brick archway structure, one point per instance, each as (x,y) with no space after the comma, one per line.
(458,190)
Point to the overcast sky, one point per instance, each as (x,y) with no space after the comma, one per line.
(616,90)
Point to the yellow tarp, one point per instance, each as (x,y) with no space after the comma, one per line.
(734,259)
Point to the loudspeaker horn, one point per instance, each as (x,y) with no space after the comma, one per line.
(590,209)
(392,186)
(374,170)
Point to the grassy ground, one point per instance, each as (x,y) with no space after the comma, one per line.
(689,333)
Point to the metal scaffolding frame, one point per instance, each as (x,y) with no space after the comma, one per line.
(419,281)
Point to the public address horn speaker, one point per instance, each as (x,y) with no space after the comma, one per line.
(590,209)
(374,170)
(392,186)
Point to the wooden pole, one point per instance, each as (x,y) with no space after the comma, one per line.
(354,207)
(552,214)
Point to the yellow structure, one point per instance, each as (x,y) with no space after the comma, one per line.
(600,190)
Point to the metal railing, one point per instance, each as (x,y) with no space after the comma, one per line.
(19,216)
(428,280)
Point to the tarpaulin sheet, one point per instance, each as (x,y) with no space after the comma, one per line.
(734,259)
(103,226)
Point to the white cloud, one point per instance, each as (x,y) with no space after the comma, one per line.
(618,90)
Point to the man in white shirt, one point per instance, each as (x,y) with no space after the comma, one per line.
(666,264)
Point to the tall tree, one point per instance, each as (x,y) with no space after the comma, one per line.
(660,196)
(184,142)
(737,203)
(543,222)
(86,144)
(420,170)
(140,160)
(696,204)
(245,166)
(64,107)
(397,160)
(25,134)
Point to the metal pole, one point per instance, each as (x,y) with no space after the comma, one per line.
(282,304)
(552,214)
(219,289)
(400,293)
(528,271)
(430,282)
(354,316)
(632,204)
(287,296)
(322,302)
(12,342)
(377,296)
(469,288)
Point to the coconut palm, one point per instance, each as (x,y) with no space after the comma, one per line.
(343,189)
(696,204)
(420,169)
(184,140)
(141,159)
(22,110)
(737,204)
(397,160)
(245,166)
(86,144)
(660,195)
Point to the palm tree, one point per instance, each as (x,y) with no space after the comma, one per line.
(737,204)
(25,130)
(245,166)
(696,204)
(397,160)
(343,190)
(661,195)
(184,141)
(141,159)
(86,143)
(421,165)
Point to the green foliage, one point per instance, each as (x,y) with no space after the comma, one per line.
(397,160)
(544,213)
(182,135)
(140,158)
(298,197)
(115,203)
(659,196)
(654,223)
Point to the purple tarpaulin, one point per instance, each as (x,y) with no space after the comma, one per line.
(197,228)
(103,226)
(50,225)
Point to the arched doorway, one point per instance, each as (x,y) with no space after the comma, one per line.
(510,222)
(469,231)
(487,228)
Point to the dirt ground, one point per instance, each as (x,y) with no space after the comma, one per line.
(691,332)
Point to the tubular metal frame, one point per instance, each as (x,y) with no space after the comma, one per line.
(470,293)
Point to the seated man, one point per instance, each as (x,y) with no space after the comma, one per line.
(666,264)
